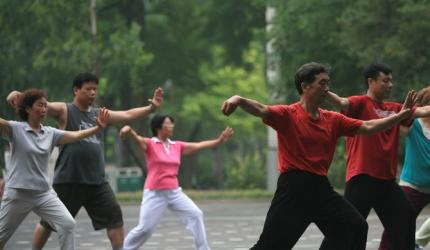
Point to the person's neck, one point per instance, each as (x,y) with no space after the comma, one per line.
(309,106)
(374,97)
(162,138)
(34,124)
(80,106)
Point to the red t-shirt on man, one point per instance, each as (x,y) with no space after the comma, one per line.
(374,155)
(305,143)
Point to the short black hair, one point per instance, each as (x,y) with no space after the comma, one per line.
(27,99)
(157,123)
(81,78)
(372,71)
(307,72)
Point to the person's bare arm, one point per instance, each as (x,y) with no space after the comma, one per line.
(56,110)
(139,140)
(248,105)
(126,116)
(192,147)
(12,98)
(5,127)
(421,112)
(376,125)
(341,103)
(423,96)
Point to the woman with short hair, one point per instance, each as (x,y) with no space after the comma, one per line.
(27,183)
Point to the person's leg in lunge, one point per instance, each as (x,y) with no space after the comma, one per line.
(14,209)
(418,201)
(191,216)
(72,196)
(359,191)
(398,217)
(361,201)
(105,212)
(289,214)
(342,225)
(153,205)
(422,236)
(52,210)
(116,237)
(40,237)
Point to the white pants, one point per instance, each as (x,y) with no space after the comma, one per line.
(18,203)
(422,236)
(154,203)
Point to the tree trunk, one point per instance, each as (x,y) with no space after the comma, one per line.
(95,67)
(135,12)
(272,77)
(190,161)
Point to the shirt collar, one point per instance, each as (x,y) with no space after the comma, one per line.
(155,139)
(29,129)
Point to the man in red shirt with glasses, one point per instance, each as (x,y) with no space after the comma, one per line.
(307,138)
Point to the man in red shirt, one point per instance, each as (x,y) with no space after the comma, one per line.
(372,160)
(307,138)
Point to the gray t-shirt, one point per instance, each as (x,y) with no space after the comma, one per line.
(30,153)
(81,161)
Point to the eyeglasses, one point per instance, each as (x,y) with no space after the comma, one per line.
(170,125)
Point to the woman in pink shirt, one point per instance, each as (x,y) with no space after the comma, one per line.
(161,191)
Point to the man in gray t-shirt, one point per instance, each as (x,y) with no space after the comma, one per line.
(79,177)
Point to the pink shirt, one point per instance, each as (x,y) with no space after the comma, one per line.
(162,163)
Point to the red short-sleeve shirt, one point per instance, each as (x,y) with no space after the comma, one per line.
(374,155)
(305,143)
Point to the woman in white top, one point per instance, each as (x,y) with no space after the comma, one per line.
(27,187)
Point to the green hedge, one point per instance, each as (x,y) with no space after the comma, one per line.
(136,197)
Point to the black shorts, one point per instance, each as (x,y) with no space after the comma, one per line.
(99,201)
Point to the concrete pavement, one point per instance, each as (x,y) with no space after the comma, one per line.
(232,225)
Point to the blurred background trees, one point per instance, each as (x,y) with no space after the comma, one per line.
(201,52)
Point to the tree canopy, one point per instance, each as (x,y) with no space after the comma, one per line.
(201,52)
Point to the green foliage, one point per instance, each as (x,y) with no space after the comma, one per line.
(140,45)
(221,81)
(202,52)
(124,61)
(246,172)
(136,197)
(231,24)
(348,35)
(395,32)
(336,173)
(306,31)
(245,167)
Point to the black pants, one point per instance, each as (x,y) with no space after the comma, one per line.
(390,204)
(302,198)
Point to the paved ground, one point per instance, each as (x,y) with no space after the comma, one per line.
(232,225)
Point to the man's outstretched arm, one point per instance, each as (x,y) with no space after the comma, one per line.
(248,105)
(341,103)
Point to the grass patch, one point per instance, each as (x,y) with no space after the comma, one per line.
(136,197)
